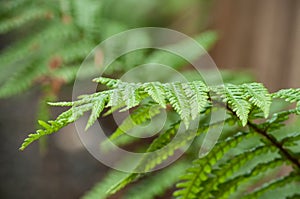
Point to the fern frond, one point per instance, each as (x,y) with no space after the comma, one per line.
(127,95)
(290,95)
(122,183)
(228,169)
(161,148)
(110,83)
(62,120)
(99,190)
(85,14)
(291,139)
(21,80)
(211,174)
(277,120)
(23,18)
(234,96)
(75,51)
(157,91)
(197,91)
(157,144)
(69,73)
(137,117)
(26,48)
(187,99)
(97,108)
(292,177)
(157,184)
(229,187)
(43,113)
(259,96)
(11,6)
(131,95)
(66,73)
(190,184)
(179,101)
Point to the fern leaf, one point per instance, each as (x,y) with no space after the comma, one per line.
(11,6)
(291,139)
(22,80)
(229,187)
(157,92)
(189,186)
(23,18)
(69,73)
(197,93)
(277,120)
(228,169)
(62,120)
(155,185)
(259,96)
(157,157)
(157,144)
(27,46)
(111,83)
(43,114)
(187,99)
(122,183)
(161,148)
(115,99)
(60,103)
(96,110)
(290,95)
(292,177)
(137,117)
(179,101)
(131,95)
(234,96)
(75,51)
(99,189)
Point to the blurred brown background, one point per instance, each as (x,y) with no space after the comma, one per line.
(261,36)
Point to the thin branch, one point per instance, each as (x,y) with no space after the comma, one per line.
(277,144)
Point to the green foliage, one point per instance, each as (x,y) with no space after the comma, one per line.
(224,172)
(157,184)
(292,177)
(150,187)
(54,37)
(139,116)
(192,180)
(242,98)
(290,95)
(99,189)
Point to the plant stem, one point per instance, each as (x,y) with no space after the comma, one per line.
(277,144)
